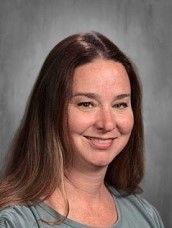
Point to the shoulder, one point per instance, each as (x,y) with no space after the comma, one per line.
(135,204)
(17,217)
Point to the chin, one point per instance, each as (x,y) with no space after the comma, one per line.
(104,161)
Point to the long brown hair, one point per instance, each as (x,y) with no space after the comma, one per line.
(40,150)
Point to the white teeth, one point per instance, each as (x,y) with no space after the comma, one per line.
(101,141)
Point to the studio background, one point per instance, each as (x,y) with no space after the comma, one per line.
(141,28)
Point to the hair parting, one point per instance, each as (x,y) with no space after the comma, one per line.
(41,149)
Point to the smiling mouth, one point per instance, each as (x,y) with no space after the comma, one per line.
(100,143)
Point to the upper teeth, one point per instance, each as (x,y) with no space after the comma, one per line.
(98,138)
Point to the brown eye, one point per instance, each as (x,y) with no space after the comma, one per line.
(121,105)
(86,104)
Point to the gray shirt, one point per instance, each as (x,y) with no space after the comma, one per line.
(133,212)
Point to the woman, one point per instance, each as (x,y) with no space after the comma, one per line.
(77,158)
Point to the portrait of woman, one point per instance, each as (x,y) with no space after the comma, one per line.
(77,159)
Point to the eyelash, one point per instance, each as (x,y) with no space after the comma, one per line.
(86,104)
(122,105)
(89,104)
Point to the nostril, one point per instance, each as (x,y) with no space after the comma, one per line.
(105,121)
(105,126)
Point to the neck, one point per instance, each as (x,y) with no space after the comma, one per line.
(82,188)
(89,183)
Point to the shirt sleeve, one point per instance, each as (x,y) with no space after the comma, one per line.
(152,213)
(157,218)
(4,223)
(17,217)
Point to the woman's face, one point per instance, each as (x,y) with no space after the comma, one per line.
(100,116)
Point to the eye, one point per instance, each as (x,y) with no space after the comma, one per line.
(121,105)
(86,104)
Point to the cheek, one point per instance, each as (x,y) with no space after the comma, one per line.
(126,123)
(78,122)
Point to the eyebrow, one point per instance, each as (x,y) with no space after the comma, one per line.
(97,97)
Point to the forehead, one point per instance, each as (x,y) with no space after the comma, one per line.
(101,75)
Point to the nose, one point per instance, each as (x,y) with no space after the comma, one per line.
(105,120)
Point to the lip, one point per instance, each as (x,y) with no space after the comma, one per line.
(100,143)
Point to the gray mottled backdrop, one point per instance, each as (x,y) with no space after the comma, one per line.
(142,28)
